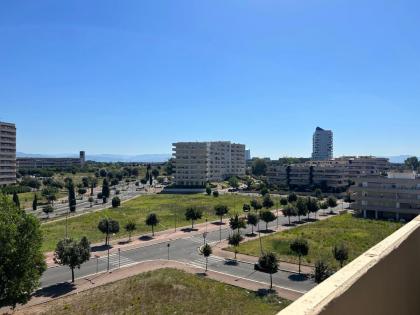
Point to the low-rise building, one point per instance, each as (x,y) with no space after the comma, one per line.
(336,173)
(396,196)
(197,163)
(61,163)
(7,153)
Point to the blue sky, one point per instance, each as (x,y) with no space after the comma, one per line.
(131,77)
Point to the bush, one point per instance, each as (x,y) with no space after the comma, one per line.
(99,195)
(215,193)
(117,192)
(10,190)
(116,202)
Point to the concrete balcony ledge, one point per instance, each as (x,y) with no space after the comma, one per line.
(384,280)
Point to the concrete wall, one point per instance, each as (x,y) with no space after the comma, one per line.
(384,280)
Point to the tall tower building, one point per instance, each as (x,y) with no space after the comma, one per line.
(322,145)
(7,153)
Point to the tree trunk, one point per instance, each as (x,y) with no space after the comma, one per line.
(72,275)
(221,219)
(192,224)
(207,259)
(153,230)
(266,226)
(299,264)
(271,281)
(235,252)
(289,219)
(252,229)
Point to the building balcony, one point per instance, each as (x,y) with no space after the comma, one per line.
(384,280)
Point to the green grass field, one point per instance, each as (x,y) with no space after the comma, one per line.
(356,233)
(166,291)
(167,207)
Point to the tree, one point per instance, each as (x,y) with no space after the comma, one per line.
(292,198)
(256,204)
(341,254)
(267,217)
(234,240)
(35,202)
(259,167)
(207,251)
(215,193)
(151,180)
(301,207)
(47,210)
(283,201)
(16,199)
(51,199)
(237,223)
(300,248)
(252,219)
(193,214)
(324,206)
(105,188)
(269,263)
(289,211)
(130,227)
(108,226)
(233,182)
(412,163)
(72,197)
(267,202)
(332,202)
(264,191)
(312,205)
(72,253)
(246,207)
(85,182)
(21,257)
(91,200)
(82,191)
(152,220)
(155,172)
(116,202)
(322,271)
(208,190)
(221,210)
(318,194)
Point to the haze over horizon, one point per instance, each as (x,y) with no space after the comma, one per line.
(134,78)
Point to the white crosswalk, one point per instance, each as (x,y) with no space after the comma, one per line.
(201,261)
(114,261)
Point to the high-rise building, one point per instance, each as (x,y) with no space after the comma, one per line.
(322,145)
(197,163)
(247,155)
(7,153)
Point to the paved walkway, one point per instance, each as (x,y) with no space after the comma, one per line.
(41,298)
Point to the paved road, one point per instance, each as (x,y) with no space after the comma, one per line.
(184,250)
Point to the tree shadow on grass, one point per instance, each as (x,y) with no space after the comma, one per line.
(218,223)
(56,290)
(145,238)
(298,277)
(189,230)
(264,292)
(250,234)
(99,248)
(289,225)
(124,242)
(201,274)
(266,231)
(310,220)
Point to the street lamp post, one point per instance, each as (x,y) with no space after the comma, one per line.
(204,238)
(119,258)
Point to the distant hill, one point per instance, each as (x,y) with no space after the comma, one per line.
(106,157)
(398,158)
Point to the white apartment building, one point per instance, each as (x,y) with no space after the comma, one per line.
(322,144)
(7,153)
(197,163)
(396,196)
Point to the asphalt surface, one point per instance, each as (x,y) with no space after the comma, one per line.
(183,250)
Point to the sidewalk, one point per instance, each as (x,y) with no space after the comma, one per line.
(40,299)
